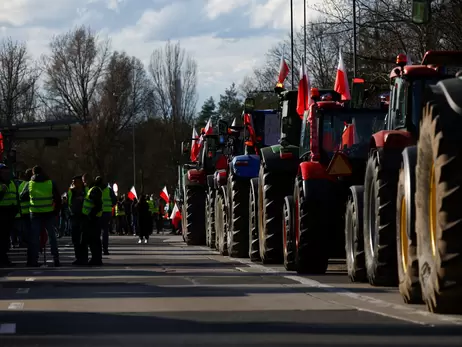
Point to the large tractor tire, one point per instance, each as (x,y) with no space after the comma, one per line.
(288,236)
(380,189)
(221,222)
(438,207)
(272,188)
(210,217)
(254,245)
(315,226)
(354,239)
(195,215)
(238,207)
(406,238)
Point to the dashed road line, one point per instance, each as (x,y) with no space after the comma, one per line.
(22,291)
(7,328)
(16,306)
(30,279)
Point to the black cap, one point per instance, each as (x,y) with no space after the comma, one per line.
(78,177)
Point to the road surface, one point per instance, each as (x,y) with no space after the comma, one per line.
(168,294)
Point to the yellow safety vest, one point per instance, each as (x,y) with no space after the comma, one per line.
(25,205)
(107,201)
(69,198)
(118,212)
(151,206)
(89,204)
(10,198)
(41,196)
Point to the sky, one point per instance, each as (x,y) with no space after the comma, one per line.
(228,38)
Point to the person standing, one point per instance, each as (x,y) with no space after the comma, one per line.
(24,207)
(109,200)
(144,220)
(121,221)
(75,197)
(45,204)
(8,210)
(160,219)
(134,213)
(92,211)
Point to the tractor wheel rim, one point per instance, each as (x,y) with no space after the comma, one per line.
(404,242)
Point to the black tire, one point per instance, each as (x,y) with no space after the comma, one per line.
(238,200)
(210,218)
(354,239)
(316,225)
(406,247)
(380,186)
(221,222)
(288,235)
(184,224)
(195,215)
(440,152)
(272,189)
(254,245)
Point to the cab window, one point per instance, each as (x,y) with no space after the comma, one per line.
(400,110)
(305,134)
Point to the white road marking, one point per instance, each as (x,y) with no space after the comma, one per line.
(30,279)
(346,293)
(16,306)
(37,272)
(8,328)
(22,290)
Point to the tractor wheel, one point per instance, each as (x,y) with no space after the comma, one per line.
(380,222)
(272,189)
(354,239)
(210,218)
(238,200)
(254,246)
(288,235)
(314,227)
(195,215)
(221,222)
(438,208)
(408,264)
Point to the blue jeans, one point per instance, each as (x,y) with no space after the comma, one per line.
(37,222)
(105,227)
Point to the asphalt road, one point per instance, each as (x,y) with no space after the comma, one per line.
(168,294)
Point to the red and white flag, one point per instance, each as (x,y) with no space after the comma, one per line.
(195,147)
(164,195)
(208,128)
(283,69)
(304,97)
(341,80)
(132,194)
(175,216)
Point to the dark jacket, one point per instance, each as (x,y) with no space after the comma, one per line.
(76,202)
(144,215)
(96,196)
(56,194)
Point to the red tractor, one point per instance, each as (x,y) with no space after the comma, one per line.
(383,211)
(333,151)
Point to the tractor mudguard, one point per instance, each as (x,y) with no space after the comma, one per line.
(313,170)
(409,164)
(392,139)
(272,161)
(220,178)
(451,90)
(195,177)
(246,166)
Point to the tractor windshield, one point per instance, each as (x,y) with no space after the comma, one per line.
(415,102)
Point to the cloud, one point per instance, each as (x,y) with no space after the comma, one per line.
(227,38)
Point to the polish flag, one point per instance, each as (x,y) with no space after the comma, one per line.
(208,128)
(175,216)
(195,147)
(132,194)
(303,98)
(341,80)
(164,195)
(283,69)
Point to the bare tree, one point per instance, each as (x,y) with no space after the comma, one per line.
(74,69)
(18,83)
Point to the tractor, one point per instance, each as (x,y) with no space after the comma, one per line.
(384,208)
(234,184)
(195,188)
(333,151)
(278,169)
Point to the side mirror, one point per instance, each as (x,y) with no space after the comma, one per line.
(421,11)
(185,147)
(249,105)
(222,127)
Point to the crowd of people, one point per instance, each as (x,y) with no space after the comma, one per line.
(90,210)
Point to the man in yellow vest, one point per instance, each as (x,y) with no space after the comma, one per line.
(92,211)
(45,204)
(109,200)
(121,221)
(8,210)
(23,216)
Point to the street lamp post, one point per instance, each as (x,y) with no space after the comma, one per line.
(292,41)
(134,155)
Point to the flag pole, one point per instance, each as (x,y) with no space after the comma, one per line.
(292,41)
(304,26)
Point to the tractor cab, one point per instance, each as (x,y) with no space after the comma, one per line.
(408,84)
